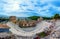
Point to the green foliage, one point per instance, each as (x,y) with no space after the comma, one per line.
(42,34)
(47,18)
(34,17)
(56,16)
(3,19)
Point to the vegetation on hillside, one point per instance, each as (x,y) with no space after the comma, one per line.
(34,17)
(56,16)
(3,19)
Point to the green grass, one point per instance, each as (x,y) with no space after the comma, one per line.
(42,34)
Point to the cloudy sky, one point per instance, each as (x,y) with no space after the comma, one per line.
(25,8)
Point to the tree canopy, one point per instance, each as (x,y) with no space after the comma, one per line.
(56,16)
(34,17)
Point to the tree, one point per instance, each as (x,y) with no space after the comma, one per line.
(34,17)
(56,16)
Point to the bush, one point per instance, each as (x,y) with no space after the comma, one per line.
(42,34)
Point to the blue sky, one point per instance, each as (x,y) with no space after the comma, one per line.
(26,8)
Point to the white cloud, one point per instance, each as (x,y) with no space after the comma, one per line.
(17,14)
(28,6)
(11,6)
(14,5)
(44,11)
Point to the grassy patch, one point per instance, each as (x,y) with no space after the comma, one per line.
(42,34)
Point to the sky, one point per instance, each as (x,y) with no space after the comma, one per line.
(26,8)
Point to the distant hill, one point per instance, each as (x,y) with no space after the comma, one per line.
(3,16)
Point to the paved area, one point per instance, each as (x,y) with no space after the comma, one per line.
(6,35)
